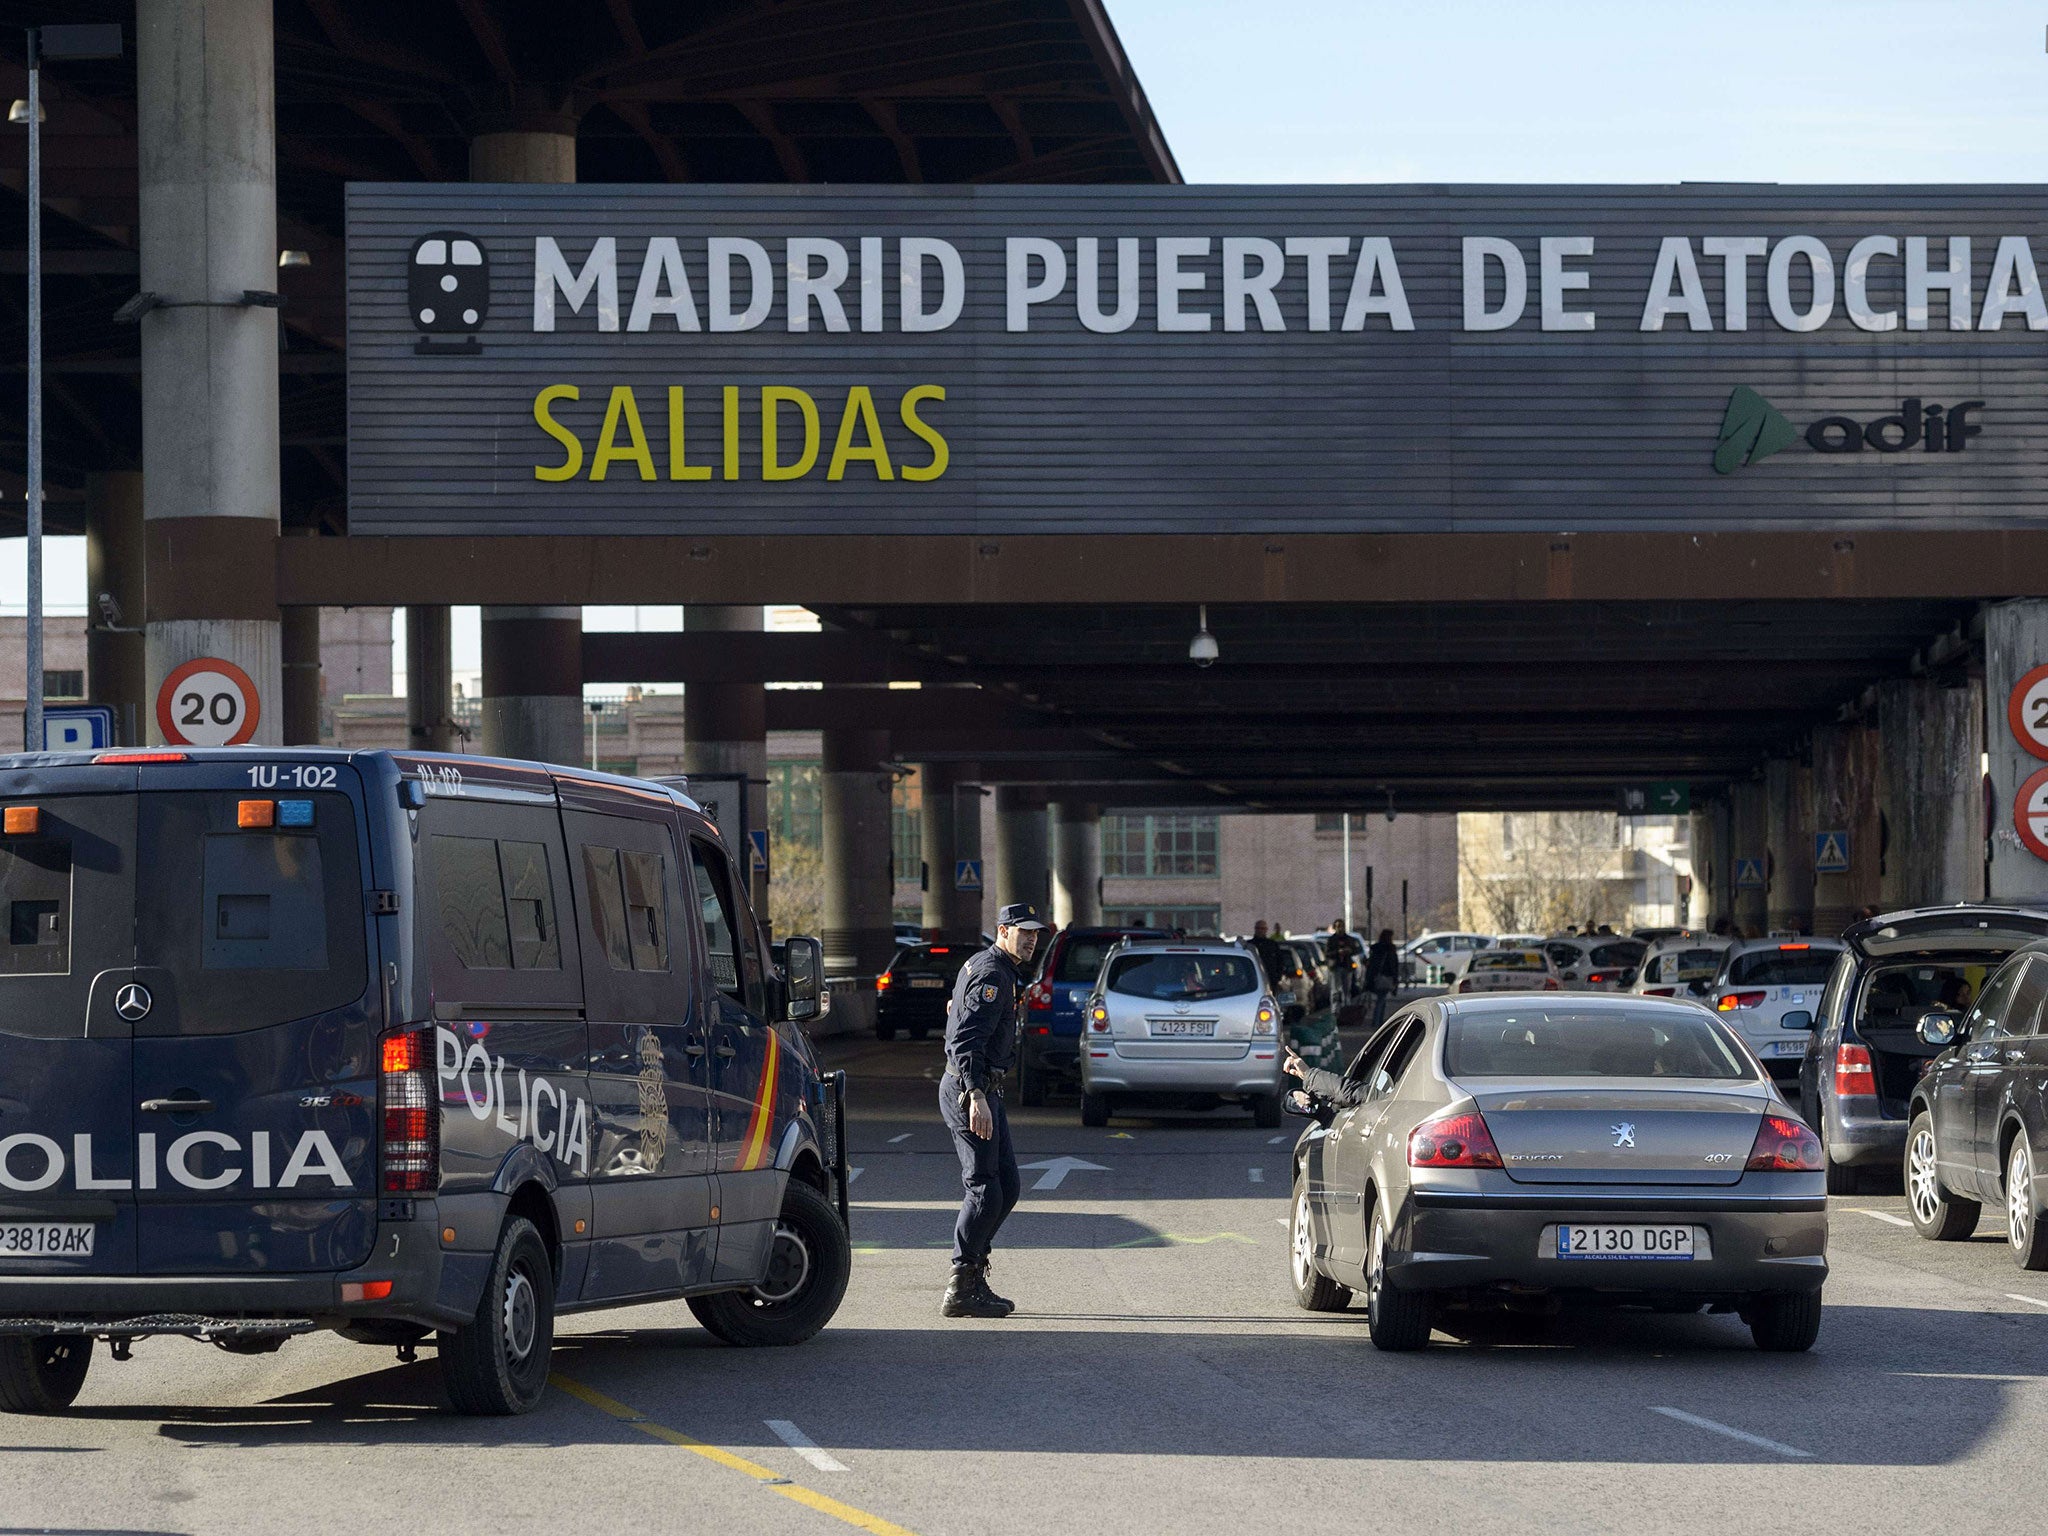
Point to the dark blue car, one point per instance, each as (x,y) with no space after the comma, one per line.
(1051,1017)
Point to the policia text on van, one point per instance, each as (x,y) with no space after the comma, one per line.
(393,1045)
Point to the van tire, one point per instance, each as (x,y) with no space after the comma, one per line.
(752,1319)
(42,1372)
(498,1365)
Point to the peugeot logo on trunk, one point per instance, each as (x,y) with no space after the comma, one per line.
(133,1002)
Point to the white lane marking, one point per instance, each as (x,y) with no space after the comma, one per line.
(1279,1221)
(1897,1221)
(904,1137)
(1056,1170)
(852,1174)
(1274,1141)
(805,1446)
(2016,1296)
(1733,1433)
(1258,1175)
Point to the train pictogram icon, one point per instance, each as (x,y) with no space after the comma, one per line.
(448,290)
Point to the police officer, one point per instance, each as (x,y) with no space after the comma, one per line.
(981,1043)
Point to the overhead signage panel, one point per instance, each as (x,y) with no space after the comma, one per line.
(718,360)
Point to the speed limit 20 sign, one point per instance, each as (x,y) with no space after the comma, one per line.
(207,703)
(2026,711)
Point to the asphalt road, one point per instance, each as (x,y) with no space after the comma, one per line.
(1157,1378)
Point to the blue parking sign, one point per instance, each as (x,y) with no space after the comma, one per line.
(78,728)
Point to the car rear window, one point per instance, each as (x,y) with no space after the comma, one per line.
(943,961)
(1800,967)
(1627,952)
(1510,960)
(1172,978)
(1556,1042)
(1081,959)
(1688,965)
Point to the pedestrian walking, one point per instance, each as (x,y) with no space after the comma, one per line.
(1382,974)
(981,1046)
(1342,949)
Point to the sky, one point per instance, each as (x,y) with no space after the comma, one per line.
(1561,91)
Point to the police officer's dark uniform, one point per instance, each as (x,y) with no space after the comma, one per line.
(981,1045)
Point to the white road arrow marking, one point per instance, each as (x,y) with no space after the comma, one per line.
(1884,1216)
(904,1137)
(1716,1427)
(1057,1169)
(2034,1300)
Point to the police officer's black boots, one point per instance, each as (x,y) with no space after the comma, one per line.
(981,1279)
(968,1295)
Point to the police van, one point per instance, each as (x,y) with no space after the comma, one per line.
(395,1045)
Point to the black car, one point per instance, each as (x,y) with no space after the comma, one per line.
(912,994)
(1865,1056)
(1978,1132)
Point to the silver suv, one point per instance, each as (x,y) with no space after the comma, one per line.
(1189,1021)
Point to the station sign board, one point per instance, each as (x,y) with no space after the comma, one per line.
(684,359)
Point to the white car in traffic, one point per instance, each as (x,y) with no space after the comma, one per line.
(1681,967)
(1770,989)
(1508,970)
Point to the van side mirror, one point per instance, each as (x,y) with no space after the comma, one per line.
(1939,1027)
(803,970)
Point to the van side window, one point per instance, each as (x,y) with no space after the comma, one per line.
(265,899)
(715,912)
(497,911)
(35,886)
(629,906)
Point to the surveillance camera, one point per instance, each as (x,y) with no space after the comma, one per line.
(110,611)
(1390,813)
(1202,650)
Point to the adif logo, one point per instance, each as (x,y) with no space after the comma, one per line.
(30,1163)
(1753,429)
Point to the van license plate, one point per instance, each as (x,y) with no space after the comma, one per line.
(1614,1242)
(46,1239)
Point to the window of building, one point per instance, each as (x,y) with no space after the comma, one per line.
(906,828)
(65,683)
(1171,919)
(1159,845)
(796,805)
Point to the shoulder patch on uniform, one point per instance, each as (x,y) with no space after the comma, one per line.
(988,993)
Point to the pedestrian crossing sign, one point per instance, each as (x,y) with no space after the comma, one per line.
(1749,874)
(967,874)
(1830,853)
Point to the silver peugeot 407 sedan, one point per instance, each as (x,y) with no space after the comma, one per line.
(1528,1151)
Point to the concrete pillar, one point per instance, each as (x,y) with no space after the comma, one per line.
(429,678)
(206,132)
(533,657)
(1023,870)
(2015,643)
(1931,796)
(1712,891)
(725,729)
(859,901)
(300,655)
(1788,833)
(1076,864)
(951,831)
(1748,857)
(1845,777)
(114,669)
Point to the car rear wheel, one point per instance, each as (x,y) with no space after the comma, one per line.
(1397,1319)
(1937,1214)
(1843,1178)
(919,1031)
(1030,1085)
(498,1364)
(2023,1226)
(1784,1324)
(1094,1109)
(809,1263)
(885,1031)
(42,1372)
(1314,1291)
(1266,1111)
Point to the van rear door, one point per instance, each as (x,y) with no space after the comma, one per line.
(67,947)
(255,1075)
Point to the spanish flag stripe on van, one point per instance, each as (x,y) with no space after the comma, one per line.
(755,1149)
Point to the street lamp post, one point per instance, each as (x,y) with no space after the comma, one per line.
(90,41)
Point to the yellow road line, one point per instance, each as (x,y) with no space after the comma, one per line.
(773,1480)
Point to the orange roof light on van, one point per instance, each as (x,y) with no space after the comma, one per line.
(22,820)
(256,813)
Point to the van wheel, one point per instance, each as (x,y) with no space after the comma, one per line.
(1266,1111)
(42,1372)
(809,1263)
(1785,1324)
(498,1365)
(1937,1214)
(1094,1109)
(1842,1178)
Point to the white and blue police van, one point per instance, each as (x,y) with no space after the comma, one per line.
(406,1046)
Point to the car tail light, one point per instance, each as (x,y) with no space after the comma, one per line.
(1038,996)
(1265,1023)
(141,757)
(1855,1072)
(940,949)
(1784,1146)
(1453,1141)
(1550,984)
(1730,1001)
(412,1121)
(1598,978)
(365,1290)
(884,981)
(1783,947)
(1098,1018)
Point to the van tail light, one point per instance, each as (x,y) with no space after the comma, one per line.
(411,1119)
(1784,1146)
(1038,996)
(1098,1018)
(1453,1141)
(1267,1021)
(1730,1001)
(1855,1072)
